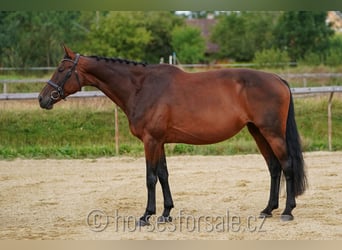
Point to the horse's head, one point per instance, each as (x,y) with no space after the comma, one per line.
(65,81)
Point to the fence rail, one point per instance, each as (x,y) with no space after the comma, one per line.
(303,76)
(87,94)
(316,90)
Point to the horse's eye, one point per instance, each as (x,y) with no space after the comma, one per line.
(61,69)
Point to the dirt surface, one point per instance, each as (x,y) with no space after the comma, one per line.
(216,197)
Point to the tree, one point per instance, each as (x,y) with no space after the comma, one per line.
(119,34)
(160,24)
(188,44)
(240,34)
(303,32)
(150,30)
(31,38)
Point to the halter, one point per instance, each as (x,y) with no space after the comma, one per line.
(59,86)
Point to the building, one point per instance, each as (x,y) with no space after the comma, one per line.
(335,19)
(205,25)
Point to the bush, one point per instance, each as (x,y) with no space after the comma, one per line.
(334,57)
(271,58)
(311,59)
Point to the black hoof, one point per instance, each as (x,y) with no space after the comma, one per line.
(264,215)
(286,217)
(142,223)
(163,219)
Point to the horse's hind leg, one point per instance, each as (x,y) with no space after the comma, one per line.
(273,166)
(279,148)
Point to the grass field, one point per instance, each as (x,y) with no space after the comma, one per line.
(84,128)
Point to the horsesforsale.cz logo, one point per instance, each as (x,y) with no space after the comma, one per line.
(98,221)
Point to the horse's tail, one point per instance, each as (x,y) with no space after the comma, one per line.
(294,150)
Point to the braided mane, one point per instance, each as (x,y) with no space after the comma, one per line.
(118,60)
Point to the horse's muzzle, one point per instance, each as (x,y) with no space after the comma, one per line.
(45,103)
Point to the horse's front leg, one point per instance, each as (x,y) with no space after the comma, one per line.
(153,155)
(163,177)
(151,180)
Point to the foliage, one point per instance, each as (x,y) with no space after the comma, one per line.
(311,59)
(274,58)
(119,34)
(302,33)
(133,35)
(33,37)
(334,55)
(160,24)
(188,44)
(241,34)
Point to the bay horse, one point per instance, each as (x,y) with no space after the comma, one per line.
(164,104)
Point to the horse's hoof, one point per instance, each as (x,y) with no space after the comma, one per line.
(163,219)
(286,217)
(264,215)
(142,223)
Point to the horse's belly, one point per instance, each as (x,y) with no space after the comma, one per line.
(204,132)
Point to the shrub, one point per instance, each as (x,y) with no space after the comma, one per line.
(271,58)
(311,59)
(334,57)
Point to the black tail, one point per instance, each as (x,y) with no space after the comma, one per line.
(294,150)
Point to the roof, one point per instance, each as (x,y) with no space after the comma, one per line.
(335,19)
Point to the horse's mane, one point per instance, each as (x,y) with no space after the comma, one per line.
(118,60)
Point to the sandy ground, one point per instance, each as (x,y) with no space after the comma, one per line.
(216,197)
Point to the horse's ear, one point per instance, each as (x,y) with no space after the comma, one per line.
(68,52)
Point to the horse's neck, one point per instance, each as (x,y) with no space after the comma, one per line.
(117,81)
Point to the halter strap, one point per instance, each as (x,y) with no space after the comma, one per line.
(59,86)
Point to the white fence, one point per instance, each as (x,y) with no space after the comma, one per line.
(86,94)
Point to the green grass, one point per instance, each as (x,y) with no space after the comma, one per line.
(84,131)
(72,133)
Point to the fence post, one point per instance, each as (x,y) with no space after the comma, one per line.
(329,121)
(170,59)
(5,88)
